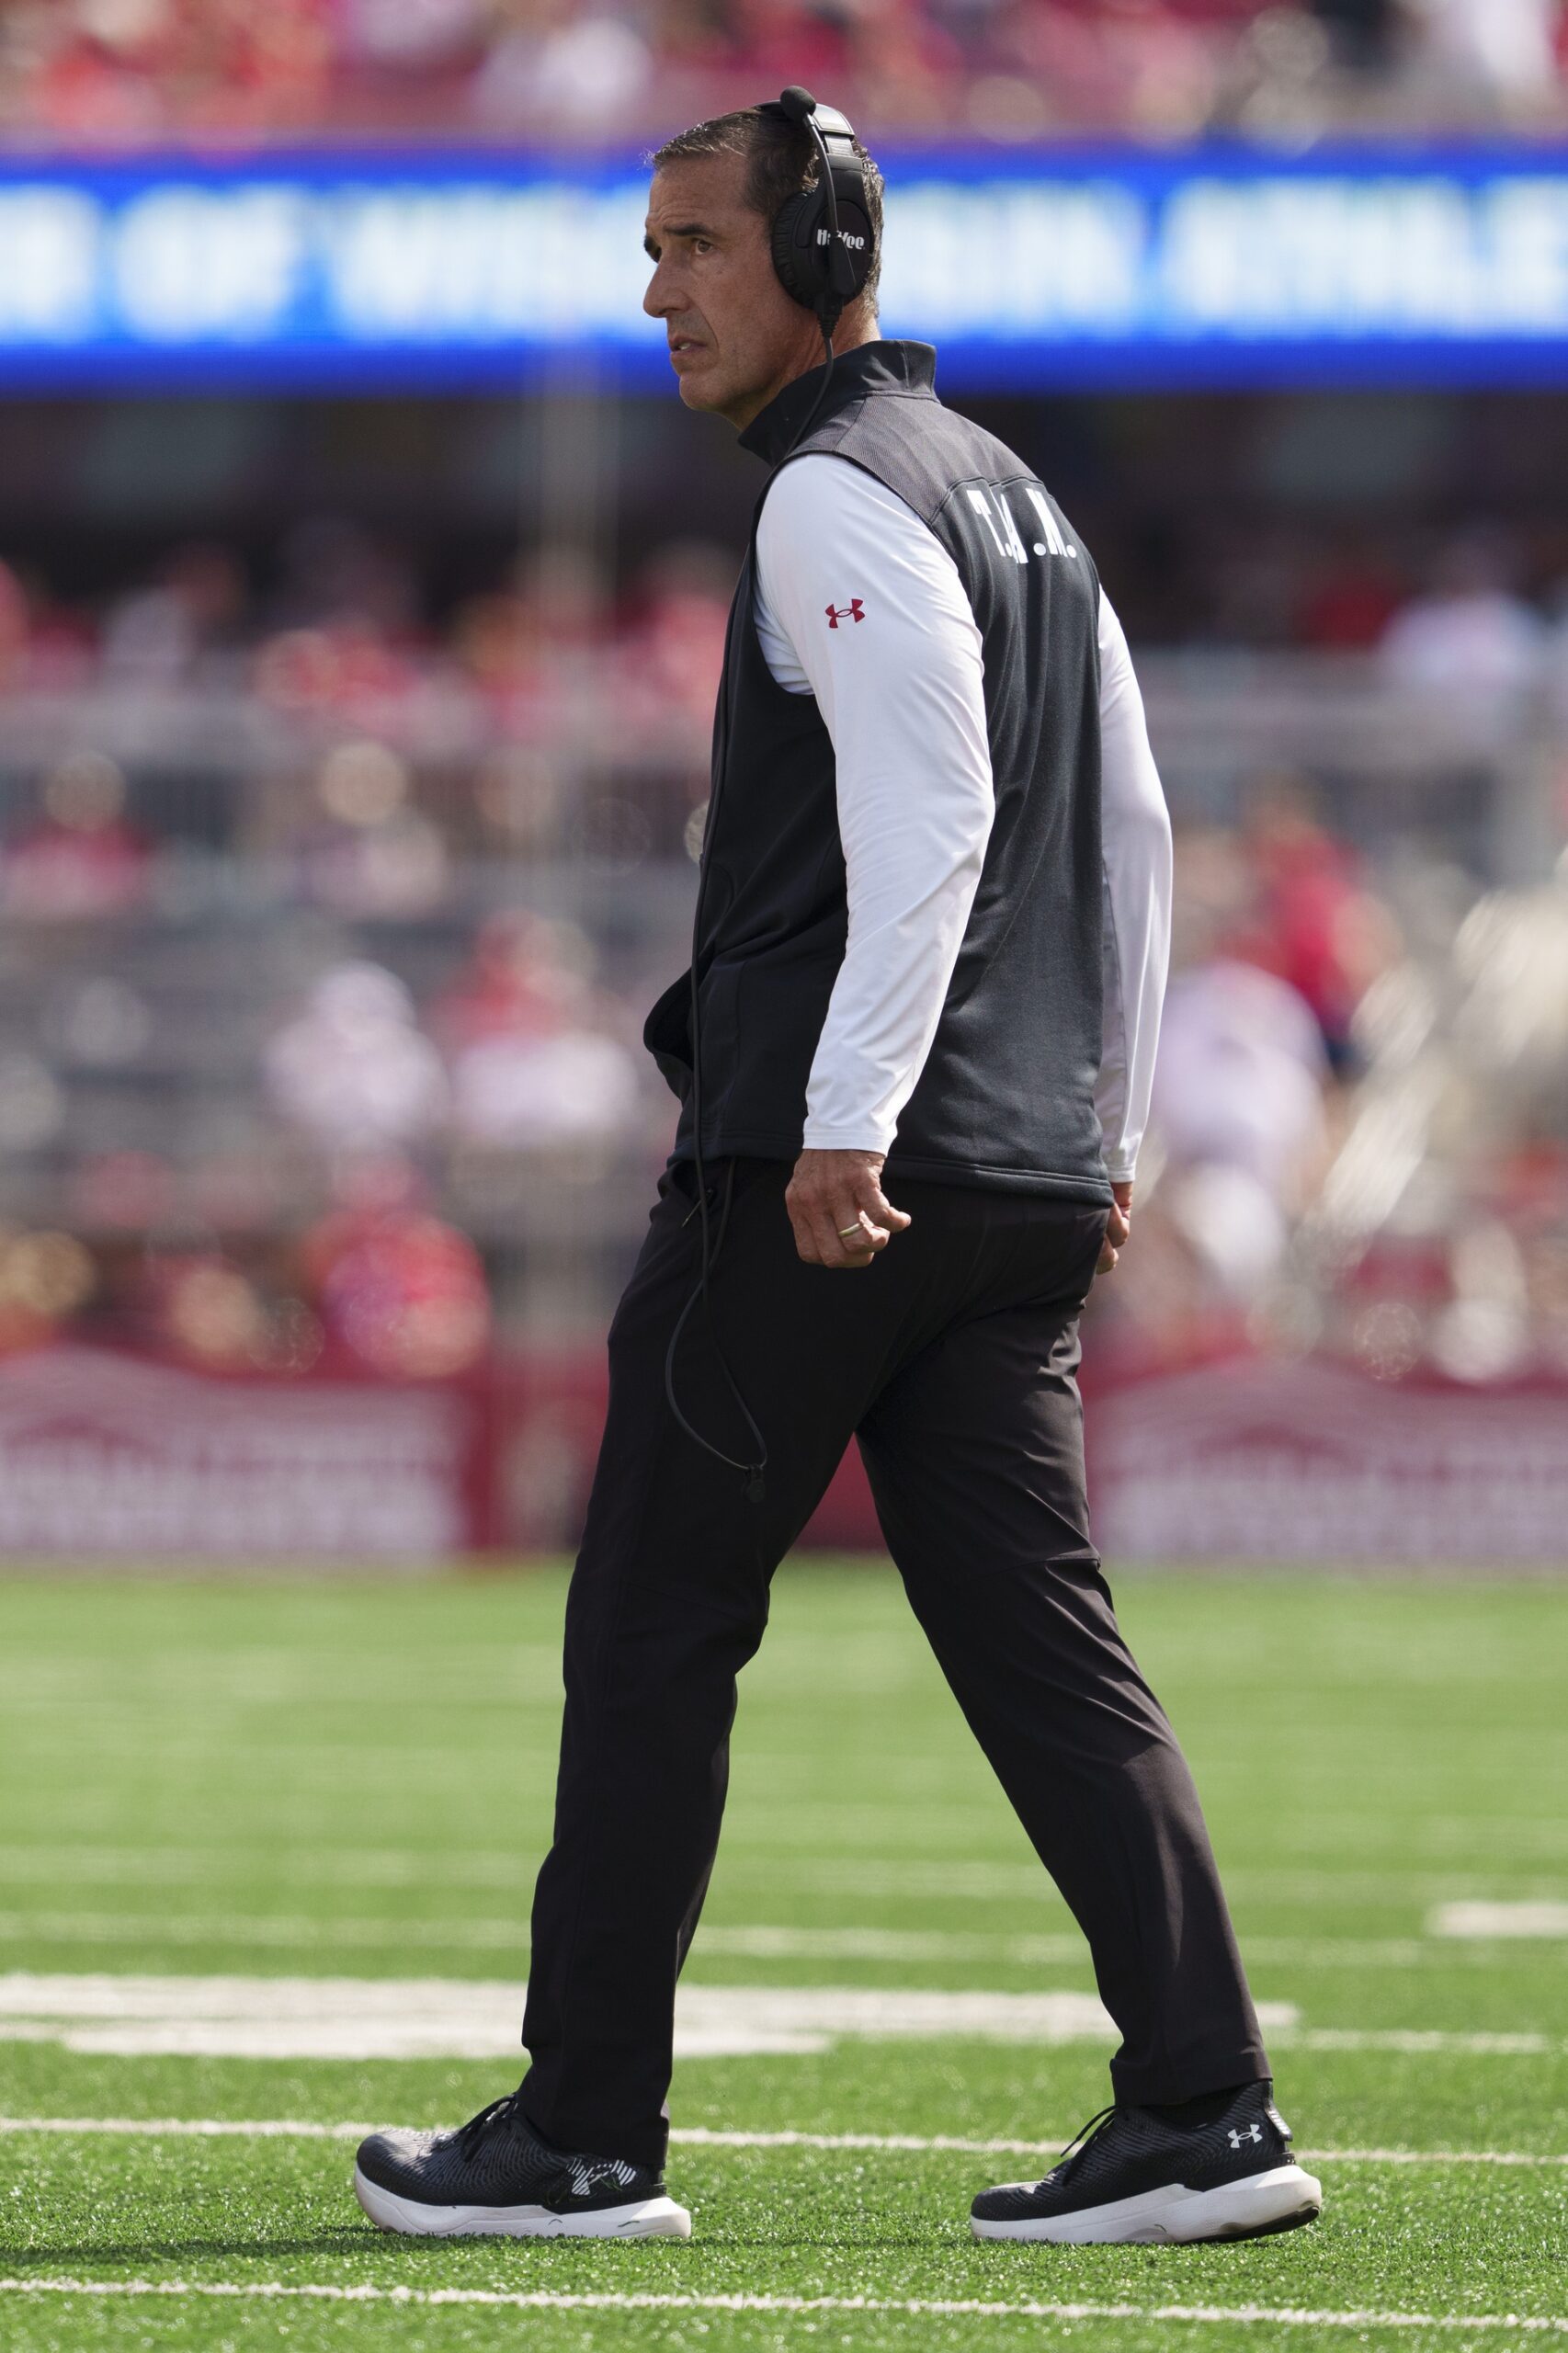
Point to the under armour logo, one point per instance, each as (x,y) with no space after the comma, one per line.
(853,611)
(1253,2132)
(591,2174)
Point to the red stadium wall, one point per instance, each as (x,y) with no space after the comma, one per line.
(107,1455)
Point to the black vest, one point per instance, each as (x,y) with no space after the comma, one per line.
(1007,1094)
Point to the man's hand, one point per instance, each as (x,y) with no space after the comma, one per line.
(832,1191)
(1119,1229)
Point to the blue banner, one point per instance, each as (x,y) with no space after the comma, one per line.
(1218,265)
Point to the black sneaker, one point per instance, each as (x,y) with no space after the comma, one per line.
(493,2176)
(1140,2180)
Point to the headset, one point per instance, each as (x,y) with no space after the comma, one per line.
(824,249)
(823,244)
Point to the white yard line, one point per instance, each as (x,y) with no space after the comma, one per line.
(65,1862)
(291,1932)
(139,2015)
(1416,2040)
(702,2136)
(912,2307)
(256,2017)
(190,2128)
(1525,1918)
(1032,1950)
(699,2136)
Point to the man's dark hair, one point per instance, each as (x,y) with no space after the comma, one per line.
(781,159)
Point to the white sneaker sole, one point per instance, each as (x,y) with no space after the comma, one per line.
(643,2218)
(1172,2216)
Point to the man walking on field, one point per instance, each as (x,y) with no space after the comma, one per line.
(916,1047)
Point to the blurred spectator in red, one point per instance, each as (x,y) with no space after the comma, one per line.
(81,857)
(524,977)
(534,645)
(675,646)
(14,630)
(791,40)
(1313,922)
(348,639)
(126,70)
(497,644)
(399,1290)
(344,669)
(118,69)
(1349,607)
(43,647)
(532,1060)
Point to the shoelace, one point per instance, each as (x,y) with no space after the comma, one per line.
(501,2111)
(1085,2133)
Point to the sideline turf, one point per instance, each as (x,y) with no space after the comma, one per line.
(351,1781)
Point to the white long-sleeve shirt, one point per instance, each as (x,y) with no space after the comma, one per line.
(905,710)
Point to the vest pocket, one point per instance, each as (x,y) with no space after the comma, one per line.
(667,1033)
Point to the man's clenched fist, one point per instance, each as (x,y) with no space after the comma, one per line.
(831,1190)
(1117,1229)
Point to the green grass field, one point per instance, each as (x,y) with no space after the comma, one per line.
(330,1788)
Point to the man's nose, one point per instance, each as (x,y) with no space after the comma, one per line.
(661,298)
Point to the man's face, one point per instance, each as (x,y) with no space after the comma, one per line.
(736,337)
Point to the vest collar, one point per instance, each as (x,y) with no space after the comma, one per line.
(869,367)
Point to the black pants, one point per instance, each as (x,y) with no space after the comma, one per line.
(953,1358)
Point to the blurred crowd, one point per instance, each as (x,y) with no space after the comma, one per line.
(341,631)
(326,1053)
(1360,1128)
(119,71)
(265,1154)
(340,639)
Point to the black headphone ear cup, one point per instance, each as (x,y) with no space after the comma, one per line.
(797,256)
(855,235)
